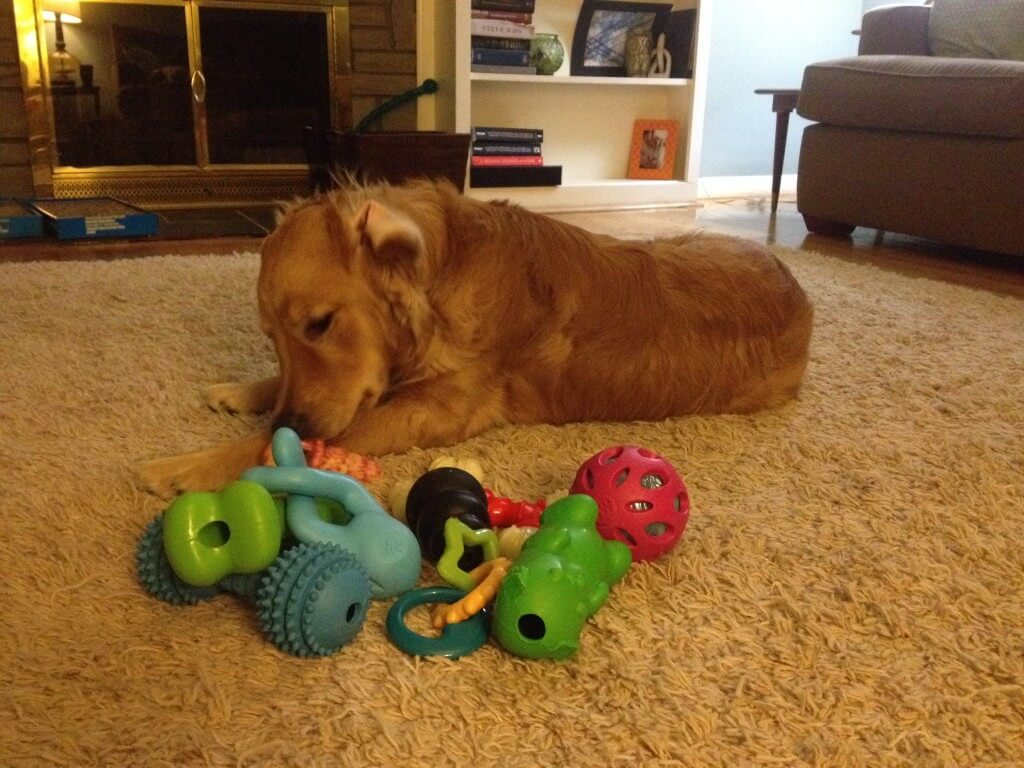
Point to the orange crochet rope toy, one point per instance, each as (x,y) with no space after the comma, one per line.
(319,455)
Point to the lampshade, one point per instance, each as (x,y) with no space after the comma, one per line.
(70,11)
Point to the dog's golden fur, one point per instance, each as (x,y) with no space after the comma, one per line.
(414,316)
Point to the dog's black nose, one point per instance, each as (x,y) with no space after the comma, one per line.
(295,421)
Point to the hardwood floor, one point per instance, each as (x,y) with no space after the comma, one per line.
(907,255)
(752,218)
(745,217)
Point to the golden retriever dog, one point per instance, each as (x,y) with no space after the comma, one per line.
(411,315)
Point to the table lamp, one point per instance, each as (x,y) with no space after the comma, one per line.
(62,64)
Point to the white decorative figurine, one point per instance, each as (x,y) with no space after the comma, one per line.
(661,60)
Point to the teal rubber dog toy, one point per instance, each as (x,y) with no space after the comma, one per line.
(385,547)
(560,580)
(309,562)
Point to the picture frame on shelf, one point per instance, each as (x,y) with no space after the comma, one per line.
(652,151)
(599,40)
(679,34)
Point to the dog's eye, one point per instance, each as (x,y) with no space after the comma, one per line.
(318,326)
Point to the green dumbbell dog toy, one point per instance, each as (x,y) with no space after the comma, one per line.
(208,536)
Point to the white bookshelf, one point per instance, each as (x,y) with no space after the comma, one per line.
(587,121)
(577,80)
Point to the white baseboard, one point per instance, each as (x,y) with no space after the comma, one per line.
(743,186)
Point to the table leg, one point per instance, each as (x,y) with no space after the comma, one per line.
(781,131)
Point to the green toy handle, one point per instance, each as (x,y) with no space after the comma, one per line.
(208,536)
(427,87)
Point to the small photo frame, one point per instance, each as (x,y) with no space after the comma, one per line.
(599,41)
(652,152)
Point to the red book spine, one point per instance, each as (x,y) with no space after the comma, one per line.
(518,18)
(480,160)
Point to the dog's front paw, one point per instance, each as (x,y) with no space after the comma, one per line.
(207,470)
(179,474)
(231,398)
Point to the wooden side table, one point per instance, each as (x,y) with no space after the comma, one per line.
(783,102)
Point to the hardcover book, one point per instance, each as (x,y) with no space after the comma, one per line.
(501,43)
(498,69)
(521,6)
(500,57)
(499,28)
(515,176)
(492,160)
(506,148)
(503,133)
(518,18)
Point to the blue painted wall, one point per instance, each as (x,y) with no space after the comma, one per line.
(765,44)
(869,4)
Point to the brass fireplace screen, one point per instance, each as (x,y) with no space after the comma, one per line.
(185,101)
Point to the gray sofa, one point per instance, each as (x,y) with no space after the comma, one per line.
(905,141)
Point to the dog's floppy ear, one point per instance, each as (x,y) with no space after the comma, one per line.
(386,233)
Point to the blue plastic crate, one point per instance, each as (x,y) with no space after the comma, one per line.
(95,217)
(18,219)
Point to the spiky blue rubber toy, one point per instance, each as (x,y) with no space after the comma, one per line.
(313,599)
(156,574)
(159,579)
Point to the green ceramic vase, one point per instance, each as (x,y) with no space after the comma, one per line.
(546,53)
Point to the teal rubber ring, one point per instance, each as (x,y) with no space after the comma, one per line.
(456,639)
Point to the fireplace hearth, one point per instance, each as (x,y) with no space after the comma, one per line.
(201,103)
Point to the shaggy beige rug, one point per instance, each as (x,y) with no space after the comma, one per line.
(848,592)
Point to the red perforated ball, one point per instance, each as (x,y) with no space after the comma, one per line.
(642,500)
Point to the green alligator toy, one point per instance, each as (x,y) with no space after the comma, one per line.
(559,581)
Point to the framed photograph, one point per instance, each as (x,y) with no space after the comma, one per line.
(679,41)
(599,42)
(652,152)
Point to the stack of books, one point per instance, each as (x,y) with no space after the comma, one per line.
(510,157)
(501,34)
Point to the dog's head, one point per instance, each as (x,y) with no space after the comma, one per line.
(340,296)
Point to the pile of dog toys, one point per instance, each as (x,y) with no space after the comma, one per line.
(310,547)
